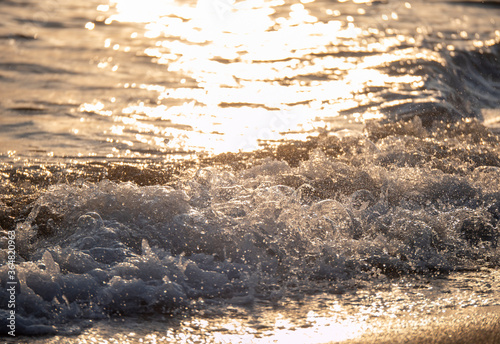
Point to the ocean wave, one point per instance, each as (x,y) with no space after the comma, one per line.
(401,199)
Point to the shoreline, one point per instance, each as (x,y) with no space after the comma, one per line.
(472,325)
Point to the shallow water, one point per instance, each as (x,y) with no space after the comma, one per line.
(93,81)
(182,161)
(320,317)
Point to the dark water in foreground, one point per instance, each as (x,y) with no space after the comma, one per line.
(247,171)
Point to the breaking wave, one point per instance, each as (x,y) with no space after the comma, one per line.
(338,210)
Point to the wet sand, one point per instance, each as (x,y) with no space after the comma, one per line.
(472,325)
(479,325)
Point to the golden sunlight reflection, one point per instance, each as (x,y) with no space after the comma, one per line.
(145,11)
(246,71)
(317,330)
(277,327)
(216,127)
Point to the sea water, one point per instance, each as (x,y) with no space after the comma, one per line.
(245,171)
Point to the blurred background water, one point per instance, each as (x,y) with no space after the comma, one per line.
(121,80)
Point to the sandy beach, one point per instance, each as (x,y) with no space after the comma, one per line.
(471,325)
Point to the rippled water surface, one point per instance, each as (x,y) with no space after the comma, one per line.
(277,167)
(122,80)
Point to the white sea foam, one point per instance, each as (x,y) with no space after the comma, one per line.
(95,249)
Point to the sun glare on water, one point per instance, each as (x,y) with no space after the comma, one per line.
(247,71)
